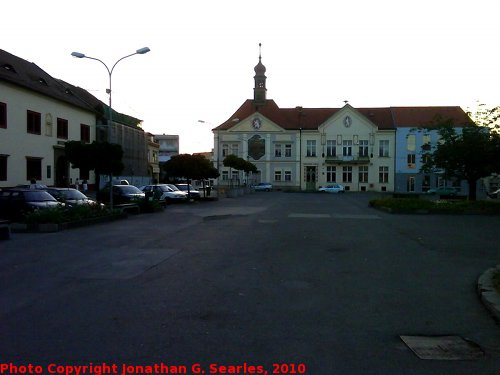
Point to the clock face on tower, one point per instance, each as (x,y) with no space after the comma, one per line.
(256,123)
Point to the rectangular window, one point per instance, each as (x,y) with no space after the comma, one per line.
(331,148)
(277,175)
(33,169)
(288,176)
(288,150)
(277,150)
(3,115)
(363,173)
(346,174)
(363,148)
(383,175)
(383,149)
(225,150)
(411,160)
(347,148)
(234,149)
(34,122)
(235,175)
(311,148)
(426,142)
(331,174)
(3,167)
(225,175)
(62,128)
(410,142)
(410,184)
(426,183)
(85,133)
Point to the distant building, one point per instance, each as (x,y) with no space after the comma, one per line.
(364,149)
(153,158)
(169,146)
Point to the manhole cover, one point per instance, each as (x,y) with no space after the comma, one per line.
(443,347)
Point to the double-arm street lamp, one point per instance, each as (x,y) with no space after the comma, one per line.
(140,51)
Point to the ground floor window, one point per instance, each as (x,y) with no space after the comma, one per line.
(225,175)
(410,184)
(346,174)
(33,169)
(331,174)
(277,175)
(3,167)
(383,175)
(288,176)
(426,182)
(363,173)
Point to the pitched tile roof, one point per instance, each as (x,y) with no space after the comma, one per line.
(30,76)
(312,118)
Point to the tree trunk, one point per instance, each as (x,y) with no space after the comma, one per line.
(472,189)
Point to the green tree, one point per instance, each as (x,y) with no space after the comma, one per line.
(468,155)
(240,164)
(484,116)
(185,166)
(101,157)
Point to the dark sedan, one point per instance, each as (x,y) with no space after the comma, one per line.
(15,203)
(122,194)
(71,197)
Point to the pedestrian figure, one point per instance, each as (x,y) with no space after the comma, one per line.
(85,186)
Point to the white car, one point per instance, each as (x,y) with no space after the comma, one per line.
(163,192)
(263,186)
(333,188)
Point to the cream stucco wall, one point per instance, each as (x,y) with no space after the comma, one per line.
(18,144)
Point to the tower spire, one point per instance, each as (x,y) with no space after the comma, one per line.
(259,91)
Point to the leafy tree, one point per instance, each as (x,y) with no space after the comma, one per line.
(240,164)
(187,166)
(470,155)
(484,116)
(101,157)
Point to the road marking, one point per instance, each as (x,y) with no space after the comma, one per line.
(332,216)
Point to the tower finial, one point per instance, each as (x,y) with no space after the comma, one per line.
(260,51)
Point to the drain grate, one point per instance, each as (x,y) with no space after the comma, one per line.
(450,348)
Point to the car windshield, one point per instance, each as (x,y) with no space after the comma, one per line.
(129,189)
(69,194)
(38,196)
(173,187)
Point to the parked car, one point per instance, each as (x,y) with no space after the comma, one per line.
(193,193)
(263,186)
(35,186)
(332,188)
(16,202)
(163,192)
(444,191)
(494,194)
(121,194)
(71,197)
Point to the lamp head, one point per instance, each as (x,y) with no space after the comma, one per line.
(77,54)
(143,50)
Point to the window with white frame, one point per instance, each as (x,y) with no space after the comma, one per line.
(331,174)
(426,142)
(383,175)
(411,160)
(347,147)
(411,142)
(346,174)
(383,149)
(363,147)
(311,148)
(288,175)
(225,175)
(277,175)
(277,150)
(235,175)
(225,149)
(288,150)
(363,173)
(234,149)
(410,184)
(331,147)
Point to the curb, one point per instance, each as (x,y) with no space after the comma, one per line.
(489,295)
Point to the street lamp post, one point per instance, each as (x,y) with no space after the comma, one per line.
(79,55)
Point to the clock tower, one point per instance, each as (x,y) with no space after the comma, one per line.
(259,91)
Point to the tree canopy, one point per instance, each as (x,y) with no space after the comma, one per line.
(468,155)
(190,167)
(240,164)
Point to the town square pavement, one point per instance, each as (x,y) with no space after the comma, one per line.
(321,283)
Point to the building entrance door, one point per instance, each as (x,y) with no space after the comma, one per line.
(310,178)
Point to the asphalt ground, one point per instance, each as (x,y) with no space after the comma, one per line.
(263,279)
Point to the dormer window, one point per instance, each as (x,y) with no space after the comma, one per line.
(42,81)
(9,67)
(68,91)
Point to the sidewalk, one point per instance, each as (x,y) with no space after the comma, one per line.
(489,295)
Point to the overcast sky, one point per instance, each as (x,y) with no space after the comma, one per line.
(317,54)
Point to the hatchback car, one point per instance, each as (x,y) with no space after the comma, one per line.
(122,194)
(71,197)
(15,203)
(193,193)
(333,188)
(263,186)
(164,192)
